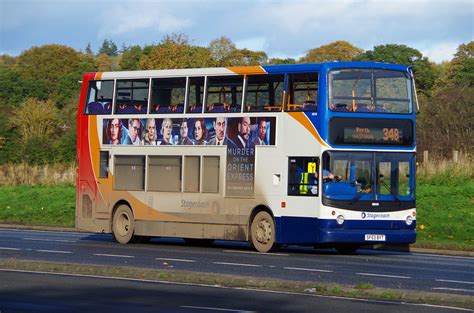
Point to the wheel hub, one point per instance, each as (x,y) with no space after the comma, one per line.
(264,232)
(123,224)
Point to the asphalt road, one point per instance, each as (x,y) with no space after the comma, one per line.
(36,292)
(396,270)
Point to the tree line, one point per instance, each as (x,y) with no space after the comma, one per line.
(39,90)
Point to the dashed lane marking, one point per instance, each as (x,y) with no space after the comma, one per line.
(114,255)
(455,281)
(381,275)
(45,239)
(54,251)
(452,289)
(12,249)
(237,264)
(307,269)
(175,260)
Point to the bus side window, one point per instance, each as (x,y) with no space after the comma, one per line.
(99,97)
(302,92)
(264,93)
(131,96)
(303,176)
(167,95)
(104,164)
(224,94)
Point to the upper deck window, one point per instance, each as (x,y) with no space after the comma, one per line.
(370,90)
(224,94)
(99,97)
(264,93)
(167,95)
(195,94)
(302,92)
(132,96)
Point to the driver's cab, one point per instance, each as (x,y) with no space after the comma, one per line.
(369,176)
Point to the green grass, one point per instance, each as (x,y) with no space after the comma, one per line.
(445,212)
(445,209)
(38,205)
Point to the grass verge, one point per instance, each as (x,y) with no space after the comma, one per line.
(38,205)
(361,291)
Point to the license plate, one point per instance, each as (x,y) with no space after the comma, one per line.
(373,237)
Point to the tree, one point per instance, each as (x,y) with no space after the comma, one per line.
(249,57)
(131,58)
(335,51)
(446,121)
(16,89)
(103,63)
(461,68)
(108,47)
(88,49)
(47,64)
(222,51)
(36,119)
(400,54)
(173,52)
(281,61)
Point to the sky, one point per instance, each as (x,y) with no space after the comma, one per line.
(280,28)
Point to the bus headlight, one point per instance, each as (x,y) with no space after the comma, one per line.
(340,219)
(409,220)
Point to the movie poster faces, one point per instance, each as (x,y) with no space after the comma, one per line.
(235,132)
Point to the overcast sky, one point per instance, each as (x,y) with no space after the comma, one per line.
(280,28)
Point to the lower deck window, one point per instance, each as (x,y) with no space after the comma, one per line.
(303,176)
(210,174)
(164,173)
(129,172)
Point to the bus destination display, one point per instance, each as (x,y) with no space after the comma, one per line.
(379,132)
(390,135)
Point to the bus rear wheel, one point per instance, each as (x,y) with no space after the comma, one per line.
(123,224)
(262,232)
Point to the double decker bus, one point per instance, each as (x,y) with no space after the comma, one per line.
(306,154)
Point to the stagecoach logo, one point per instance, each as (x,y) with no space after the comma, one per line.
(374,215)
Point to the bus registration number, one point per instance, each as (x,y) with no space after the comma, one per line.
(373,237)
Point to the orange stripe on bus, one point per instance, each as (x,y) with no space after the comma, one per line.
(247,70)
(303,120)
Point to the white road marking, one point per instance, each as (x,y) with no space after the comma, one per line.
(7,248)
(235,288)
(254,252)
(175,260)
(307,269)
(452,289)
(381,275)
(114,255)
(212,309)
(455,281)
(237,264)
(54,251)
(45,239)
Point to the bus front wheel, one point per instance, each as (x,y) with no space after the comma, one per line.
(123,224)
(262,232)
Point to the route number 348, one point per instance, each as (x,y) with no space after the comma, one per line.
(391,134)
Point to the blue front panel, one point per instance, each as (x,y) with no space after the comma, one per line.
(302,230)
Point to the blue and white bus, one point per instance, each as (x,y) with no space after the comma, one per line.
(306,154)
